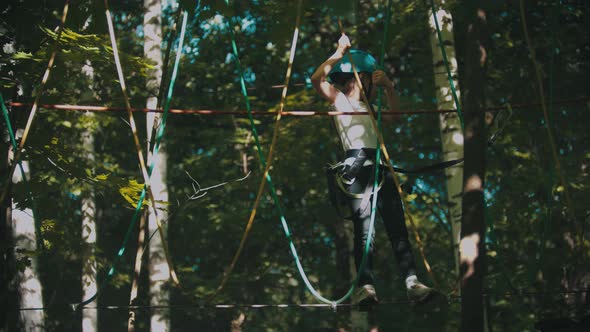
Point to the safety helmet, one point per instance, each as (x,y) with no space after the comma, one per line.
(363,62)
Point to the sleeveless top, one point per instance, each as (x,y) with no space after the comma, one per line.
(355,131)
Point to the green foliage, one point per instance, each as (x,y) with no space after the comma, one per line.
(530,248)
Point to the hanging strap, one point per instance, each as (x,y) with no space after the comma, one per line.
(266,175)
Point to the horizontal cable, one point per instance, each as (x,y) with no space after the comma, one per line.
(202,306)
(84,108)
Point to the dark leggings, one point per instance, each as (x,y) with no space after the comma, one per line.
(391,211)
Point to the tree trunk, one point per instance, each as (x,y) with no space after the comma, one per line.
(89,265)
(132,320)
(472,246)
(25,241)
(88,209)
(8,293)
(449,123)
(158,268)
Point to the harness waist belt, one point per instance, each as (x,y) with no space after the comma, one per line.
(366,153)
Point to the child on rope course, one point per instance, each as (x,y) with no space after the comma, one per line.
(334,80)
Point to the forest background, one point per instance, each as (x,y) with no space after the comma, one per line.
(537,254)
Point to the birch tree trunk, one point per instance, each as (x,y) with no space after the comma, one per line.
(158,268)
(449,123)
(472,245)
(88,209)
(132,319)
(25,241)
(89,265)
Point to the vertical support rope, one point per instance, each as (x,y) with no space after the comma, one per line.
(569,202)
(265,176)
(392,171)
(155,151)
(39,92)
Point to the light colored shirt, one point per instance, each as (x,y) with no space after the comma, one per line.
(355,131)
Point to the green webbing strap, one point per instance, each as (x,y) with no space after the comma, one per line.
(160,134)
(275,137)
(446,61)
(11,133)
(39,236)
(375,192)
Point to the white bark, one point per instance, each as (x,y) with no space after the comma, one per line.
(25,239)
(450,125)
(158,266)
(159,272)
(89,265)
(88,209)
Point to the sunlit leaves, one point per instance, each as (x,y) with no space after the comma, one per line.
(132,192)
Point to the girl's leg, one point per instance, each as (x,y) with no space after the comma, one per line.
(392,213)
(361,217)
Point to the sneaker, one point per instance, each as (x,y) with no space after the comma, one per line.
(365,296)
(420,293)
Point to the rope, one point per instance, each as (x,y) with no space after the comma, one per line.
(155,152)
(18,151)
(265,176)
(547,119)
(201,306)
(447,67)
(392,171)
(92,108)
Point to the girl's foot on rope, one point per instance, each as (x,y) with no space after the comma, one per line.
(365,296)
(420,293)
